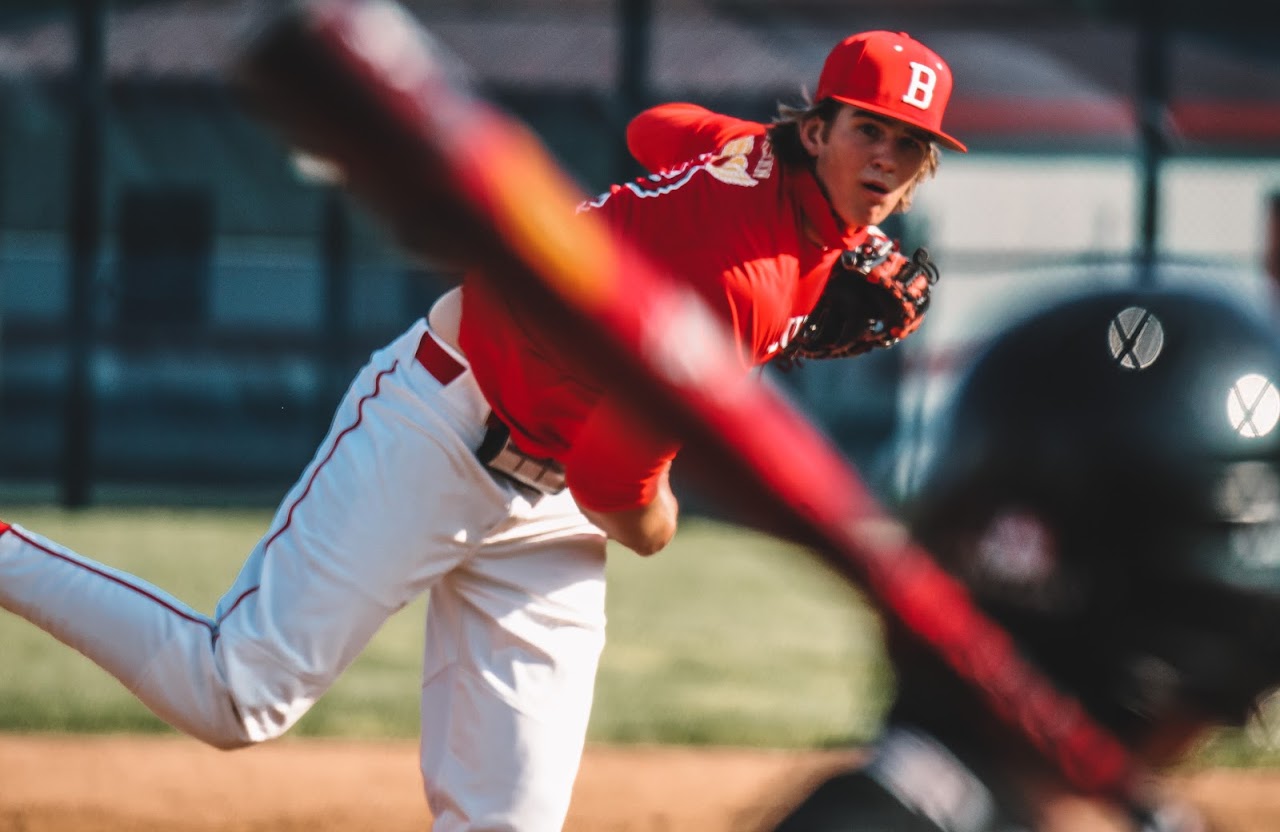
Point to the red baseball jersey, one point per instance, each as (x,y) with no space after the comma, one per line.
(756,239)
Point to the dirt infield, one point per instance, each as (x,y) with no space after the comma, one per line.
(110,784)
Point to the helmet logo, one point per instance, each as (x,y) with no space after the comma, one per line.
(1253,406)
(1135,338)
(1017,562)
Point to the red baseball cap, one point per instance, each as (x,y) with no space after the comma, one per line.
(891,74)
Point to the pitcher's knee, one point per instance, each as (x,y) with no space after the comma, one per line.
(236,725)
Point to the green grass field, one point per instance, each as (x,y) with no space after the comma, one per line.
(727,637)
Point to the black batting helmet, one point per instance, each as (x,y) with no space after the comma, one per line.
(1108,486)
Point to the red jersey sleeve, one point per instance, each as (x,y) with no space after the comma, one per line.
(616,460)
(667,135)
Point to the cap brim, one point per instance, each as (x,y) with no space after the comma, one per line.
(941,138)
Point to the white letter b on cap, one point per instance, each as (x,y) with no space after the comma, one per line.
(920,92)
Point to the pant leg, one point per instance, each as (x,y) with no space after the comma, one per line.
(514,637)
(393,499)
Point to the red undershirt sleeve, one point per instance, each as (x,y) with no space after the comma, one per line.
(617,459)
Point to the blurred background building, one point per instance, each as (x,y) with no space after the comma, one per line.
(181,302)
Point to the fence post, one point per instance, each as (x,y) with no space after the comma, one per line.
(1153,126)
(335,247)
(84,241)
(635,24)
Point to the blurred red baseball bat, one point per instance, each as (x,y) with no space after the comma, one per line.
(360,84)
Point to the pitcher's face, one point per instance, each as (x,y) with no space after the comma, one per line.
(864,162)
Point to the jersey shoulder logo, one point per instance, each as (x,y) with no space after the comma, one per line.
(730,164)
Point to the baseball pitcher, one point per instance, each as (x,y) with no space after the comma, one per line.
(475,460)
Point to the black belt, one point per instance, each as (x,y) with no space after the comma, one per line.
(496,452)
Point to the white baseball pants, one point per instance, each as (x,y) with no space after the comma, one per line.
(393,504)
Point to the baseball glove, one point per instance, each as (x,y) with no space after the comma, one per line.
(874,298)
